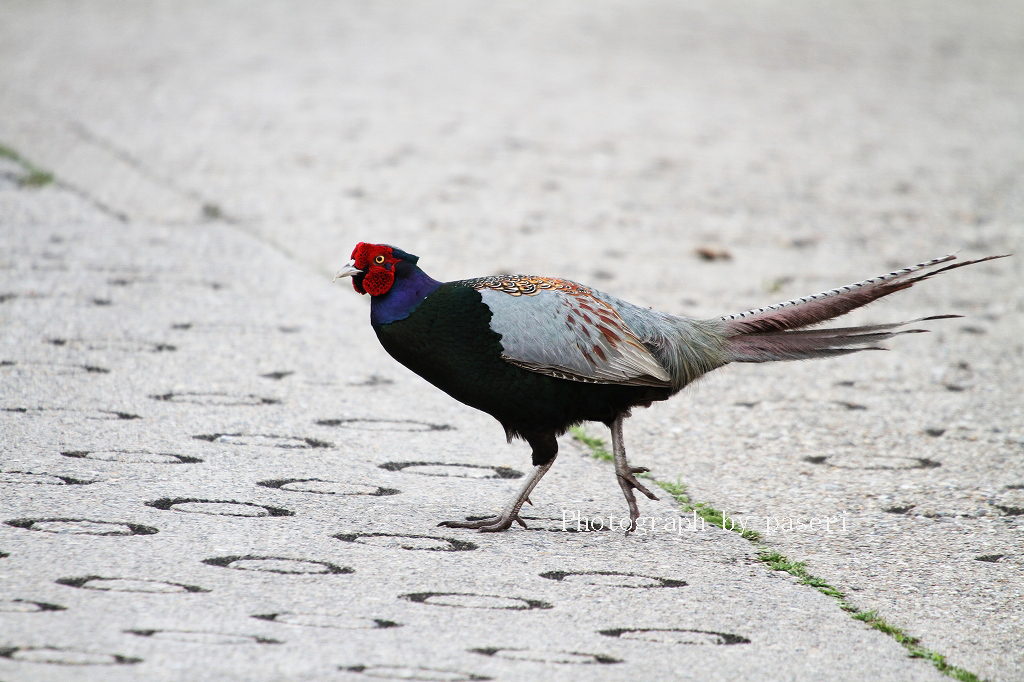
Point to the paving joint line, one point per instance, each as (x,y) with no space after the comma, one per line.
(210,209)
(37,177)
(777,562)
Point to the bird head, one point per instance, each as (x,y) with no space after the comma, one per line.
(372,267)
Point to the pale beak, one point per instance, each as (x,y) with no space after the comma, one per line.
(347,271)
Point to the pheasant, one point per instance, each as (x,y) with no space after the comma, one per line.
(541,354)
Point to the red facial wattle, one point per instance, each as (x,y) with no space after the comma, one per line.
(377,262)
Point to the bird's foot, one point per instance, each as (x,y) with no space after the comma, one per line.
(628,483)
(503,521)
(489,524)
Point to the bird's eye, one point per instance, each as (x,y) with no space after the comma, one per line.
(379,259)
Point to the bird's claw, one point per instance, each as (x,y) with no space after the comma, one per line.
(628,483)
(490,524)
(633,484)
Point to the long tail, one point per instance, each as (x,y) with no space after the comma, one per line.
(777,332)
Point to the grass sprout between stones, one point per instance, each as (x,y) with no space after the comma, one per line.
(778,562)
(34,177)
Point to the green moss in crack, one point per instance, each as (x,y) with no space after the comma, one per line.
(677,490)
(912,645)
(778,562)
(596,445)
(711,515)
(34,177)
(722,520)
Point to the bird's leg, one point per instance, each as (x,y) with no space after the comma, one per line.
(624,473)
(511,512)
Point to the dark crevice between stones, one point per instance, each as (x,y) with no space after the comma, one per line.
(594,658)
(67,479)
(116,659)
(167,503)
(136,529)
(215,399)
(280,482)
(367,424)
(1009,511)
(226,561)
(309,442)
(380,623)
(43,606)
(114,413)
(724,638)
(527,604)
(403,672)
(920,463)
(132,346)
(373,380)
(90,369)
(182,459)
(453,544)
(255,639)
(499,472)
(80,583)
(662,582)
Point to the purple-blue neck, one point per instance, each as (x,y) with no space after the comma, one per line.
(411,286)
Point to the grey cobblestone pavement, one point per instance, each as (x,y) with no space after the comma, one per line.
(210,470)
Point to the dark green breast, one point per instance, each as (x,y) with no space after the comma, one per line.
(447,340)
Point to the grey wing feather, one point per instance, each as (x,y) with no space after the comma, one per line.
(554,333)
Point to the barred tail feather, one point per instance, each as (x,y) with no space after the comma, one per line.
(777,332)
(798,346)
